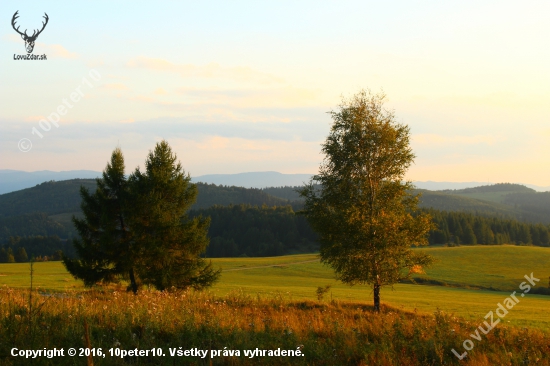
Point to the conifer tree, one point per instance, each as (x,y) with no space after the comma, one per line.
(3,255)
(9,256)
(137,228)
(169,242)
(103,248)
(21,255)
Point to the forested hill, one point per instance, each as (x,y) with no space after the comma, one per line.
(286,192)
(46,209)
(494,188)
(525,204)
(63,197)
(211,194)
(49,197)
(504,200)
(244,230)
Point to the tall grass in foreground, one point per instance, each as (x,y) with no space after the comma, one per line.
(327,333)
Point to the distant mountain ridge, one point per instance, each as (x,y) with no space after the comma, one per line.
(494,188)
(15,180)
(446,186)
(255,179)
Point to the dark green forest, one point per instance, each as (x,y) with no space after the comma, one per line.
(31,224)
(262,222)
(286,192)
(467,228)
(245,230)
(211,194)
(61,197)
(37,247)
(259,231)
(499,187)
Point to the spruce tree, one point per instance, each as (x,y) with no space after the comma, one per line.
(9,256)
(3,255)
(21,255)
(103,248)
(137,228)
(169,242)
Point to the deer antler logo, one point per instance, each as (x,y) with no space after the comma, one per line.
(29,40)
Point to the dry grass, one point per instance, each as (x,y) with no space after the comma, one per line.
(327,333)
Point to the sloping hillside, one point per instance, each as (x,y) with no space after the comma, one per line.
(500,200)
(526,203)
(56,203)
(54,198)
(47,208)
(492,193)
(49,197)
(449,202)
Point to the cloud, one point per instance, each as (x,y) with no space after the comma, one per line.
(429,139)
(115,86)
(235,144)
(116,77)
(233,104)
(282,96)
(143,99)
(59,51)
(97,63)
(52,50)
(500,100)
(33,118)
(212,70)
(233,154)
(214,142)
(56,51)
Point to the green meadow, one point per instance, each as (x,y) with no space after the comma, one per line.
(472,280)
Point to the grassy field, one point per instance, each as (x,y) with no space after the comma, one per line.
(497,267)
(297,277)
(329,333)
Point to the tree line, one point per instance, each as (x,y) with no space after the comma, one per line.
(257,231)
(467,228)
(41,248)
(262,231)
(32,224)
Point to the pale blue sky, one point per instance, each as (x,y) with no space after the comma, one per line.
(245,86)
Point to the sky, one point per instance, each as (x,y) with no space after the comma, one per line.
(245,86)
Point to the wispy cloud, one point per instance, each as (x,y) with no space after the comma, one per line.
(143,99)
(58,51)
(52,50)
(429,139)
(282,96)
(212,70)
(115,86)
